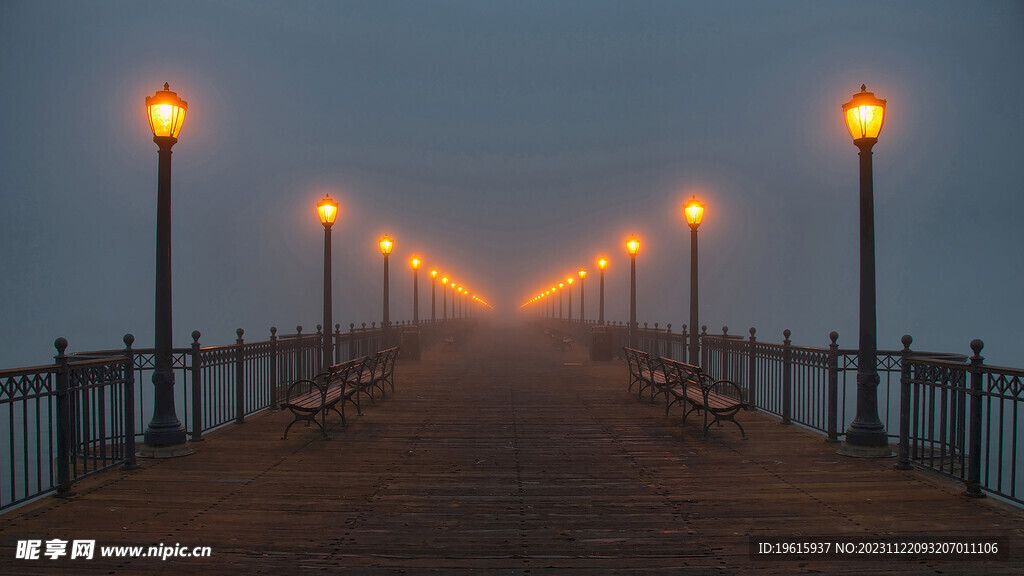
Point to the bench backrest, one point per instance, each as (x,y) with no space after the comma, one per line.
(345,371)
(682,372)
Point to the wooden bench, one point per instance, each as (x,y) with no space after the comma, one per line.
(377,371)
(646,373)
(694,390)
(309,398)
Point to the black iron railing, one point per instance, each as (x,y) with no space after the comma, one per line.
(85,412)
(947,412)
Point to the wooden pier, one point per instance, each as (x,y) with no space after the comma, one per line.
(504,453)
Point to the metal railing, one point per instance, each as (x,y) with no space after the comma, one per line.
(947,412)
(85,412)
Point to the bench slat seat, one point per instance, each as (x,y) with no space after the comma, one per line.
(696,391)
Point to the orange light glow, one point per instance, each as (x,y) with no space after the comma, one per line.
(632,245)
(386,244)
(864,115)
(166,113)
(569,280)
(433,273)
(327,209)
(602,263)
(583,274)
(415,262)
(694,212)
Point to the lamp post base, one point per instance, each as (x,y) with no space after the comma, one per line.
(163,450)
(862,451)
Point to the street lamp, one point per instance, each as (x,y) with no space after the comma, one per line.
(433,295)
(560,287)
(166,114)
(602,263)
(866,435)
(694,213)
(444,298)
(569,282)
(327,209)
(632,246)
(583,274)
(415,262)
(386,244)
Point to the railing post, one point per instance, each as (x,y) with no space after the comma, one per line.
(974,452)
(685,335)
(703,347)
(273,369)
(300,365)
(321,333)
(668,341)
(752,372)
(129,404)
(352,341)
(63,421)
(240,378)
(723,373)
(197,388)
(337,343)
(833,387)
(787,378)
(903,461)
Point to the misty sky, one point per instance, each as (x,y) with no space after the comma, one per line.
(509,144)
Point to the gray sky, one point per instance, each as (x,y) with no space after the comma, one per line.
(510,143)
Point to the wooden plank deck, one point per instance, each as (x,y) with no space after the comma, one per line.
(498,455)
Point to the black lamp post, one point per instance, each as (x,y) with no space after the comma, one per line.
(694,212)
(386,244)
(415,262)
(433,295)
(444,298)
(602,264)
(583,274)
(866,435)
(569,304)
(327,209)
(561,288)
(632,245)
(166,115)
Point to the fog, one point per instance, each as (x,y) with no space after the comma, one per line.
(509,144)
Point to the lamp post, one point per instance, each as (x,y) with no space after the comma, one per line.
(433,295)
(602,263)
(415,262)
(694,212)
(561,285)
(866,435)
(166,115)
(583,274)
(569,305)
(386,244)
(632,245)
(327,209)
(444,298)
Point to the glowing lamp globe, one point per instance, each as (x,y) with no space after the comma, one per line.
(694,212)
(864,115)
(386,244)
(327,209)
(632,245)
(166,113)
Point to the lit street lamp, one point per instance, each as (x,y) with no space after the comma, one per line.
(166,114)
(386,244)
(569,305)
(694,212)
(632,245)
(415,262)
(433,295)
(444,298)
(327,209)
(866,435)
(583,274)
(561,286)
(602,264)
